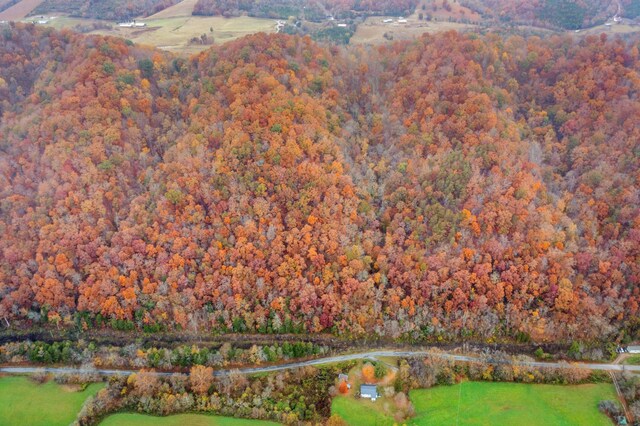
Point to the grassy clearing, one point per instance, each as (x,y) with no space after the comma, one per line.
(485,403)
(173,33)
(613,29)
(19,10)
(128,419)
(184,8)
(632,360)
(23,402)
(372,31)
(361,411)
(457,11)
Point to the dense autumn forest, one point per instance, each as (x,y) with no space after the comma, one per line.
(456,186)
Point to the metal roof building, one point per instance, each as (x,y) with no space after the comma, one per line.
(369,391)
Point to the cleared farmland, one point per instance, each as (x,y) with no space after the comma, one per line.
(19,10)
(174,33)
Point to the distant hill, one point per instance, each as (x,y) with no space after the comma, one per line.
(310,9)
(565,14)
(104,9)
(631,8)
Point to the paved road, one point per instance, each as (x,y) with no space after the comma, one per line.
(327,360)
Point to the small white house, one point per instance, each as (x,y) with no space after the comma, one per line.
(342,25)
(402,21)
(139,24)
(633,349)
(369,391)
(387,21)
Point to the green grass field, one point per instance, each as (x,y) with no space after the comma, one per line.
(23,402)
(632,360)
(127,419)
(358,412)
(486,403)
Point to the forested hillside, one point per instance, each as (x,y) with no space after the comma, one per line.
(557,14)
(310,10)
(455,186)
(104,9)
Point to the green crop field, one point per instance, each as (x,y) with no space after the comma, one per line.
(486,403)
(23,402)
(127,419)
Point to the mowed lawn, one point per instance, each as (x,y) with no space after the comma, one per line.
(496,404)
(487,403)
(357,412)
(23,402)
(127,419)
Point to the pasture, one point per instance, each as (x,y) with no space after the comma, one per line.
(128,419)
(184,8)
(19,10)
(23,402)
(373,30)
(174,33)
(488,403)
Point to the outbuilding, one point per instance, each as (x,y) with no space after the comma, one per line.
(633,349)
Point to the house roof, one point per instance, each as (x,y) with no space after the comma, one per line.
(369,389)
(633,348)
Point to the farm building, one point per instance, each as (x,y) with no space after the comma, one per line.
(369,391)
(633,349)
(387,21)
(132,24)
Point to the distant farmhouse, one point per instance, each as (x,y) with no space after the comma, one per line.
(369,391)
(132,24)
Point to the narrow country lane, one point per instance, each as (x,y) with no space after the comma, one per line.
(328,360)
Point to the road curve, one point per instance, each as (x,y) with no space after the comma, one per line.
(328,360)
